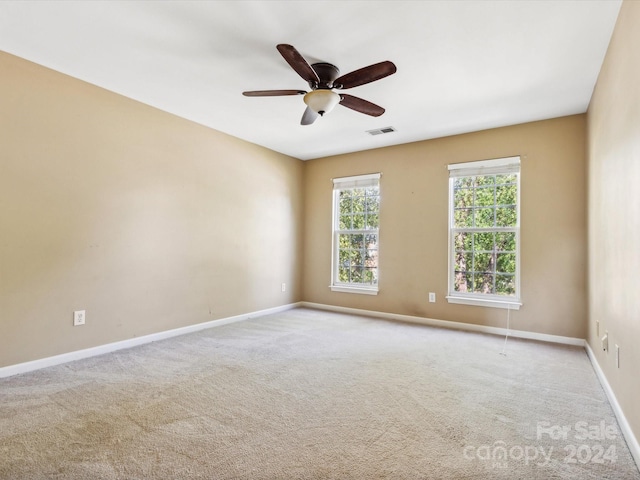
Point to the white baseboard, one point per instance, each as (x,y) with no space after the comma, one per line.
(632,441)
(448,324)
(132,342)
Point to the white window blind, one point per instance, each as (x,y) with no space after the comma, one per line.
(499,166)
(360,181)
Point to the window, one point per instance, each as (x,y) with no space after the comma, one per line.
(356,207)
(484,233)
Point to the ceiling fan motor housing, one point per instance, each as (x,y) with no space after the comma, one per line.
(327,73)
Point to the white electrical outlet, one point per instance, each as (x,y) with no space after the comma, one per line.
(432,297)
(79,317)
(284,287)
(617,356)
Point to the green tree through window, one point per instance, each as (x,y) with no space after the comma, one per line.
(356,222)
(484,230)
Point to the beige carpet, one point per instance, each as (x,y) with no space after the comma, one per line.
(314,395)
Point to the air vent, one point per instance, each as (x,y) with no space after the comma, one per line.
(380,131)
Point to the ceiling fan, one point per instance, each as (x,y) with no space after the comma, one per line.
(323,78)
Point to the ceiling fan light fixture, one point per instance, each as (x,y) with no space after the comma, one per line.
(321,101)
(323,78)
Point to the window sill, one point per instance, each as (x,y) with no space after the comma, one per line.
(485,302)
(360,290)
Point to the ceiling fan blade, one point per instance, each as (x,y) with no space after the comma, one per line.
(365,75)
(298,63)
(308,117)
(272,93)
(360,105)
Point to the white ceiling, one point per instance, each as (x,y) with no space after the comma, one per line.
(462,65)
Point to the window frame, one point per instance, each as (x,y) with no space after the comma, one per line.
(499,166)
(346,183)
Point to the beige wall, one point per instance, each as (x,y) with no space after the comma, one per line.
(614,212)
(413,231)
(151,222)
(146,220)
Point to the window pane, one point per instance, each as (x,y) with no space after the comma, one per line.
(371,258)
(343,274)
(371,240)
(484,217)
(372,203)
(506,241)
(462,241)
(345,202)
(485,197)
(462,182)
(464,262)
(369,276)
(506,217)
(463,218)
(483,262)
(358,221)
(506,195)
(502,179)
(356,275)
(355,258)
(483,241)
(482,258)
(484,180)
(463,197)
(356,241)
(358,204)
(505,285)
(372,221)
(483,283)
(356,255)
(506,263)
(462,282)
